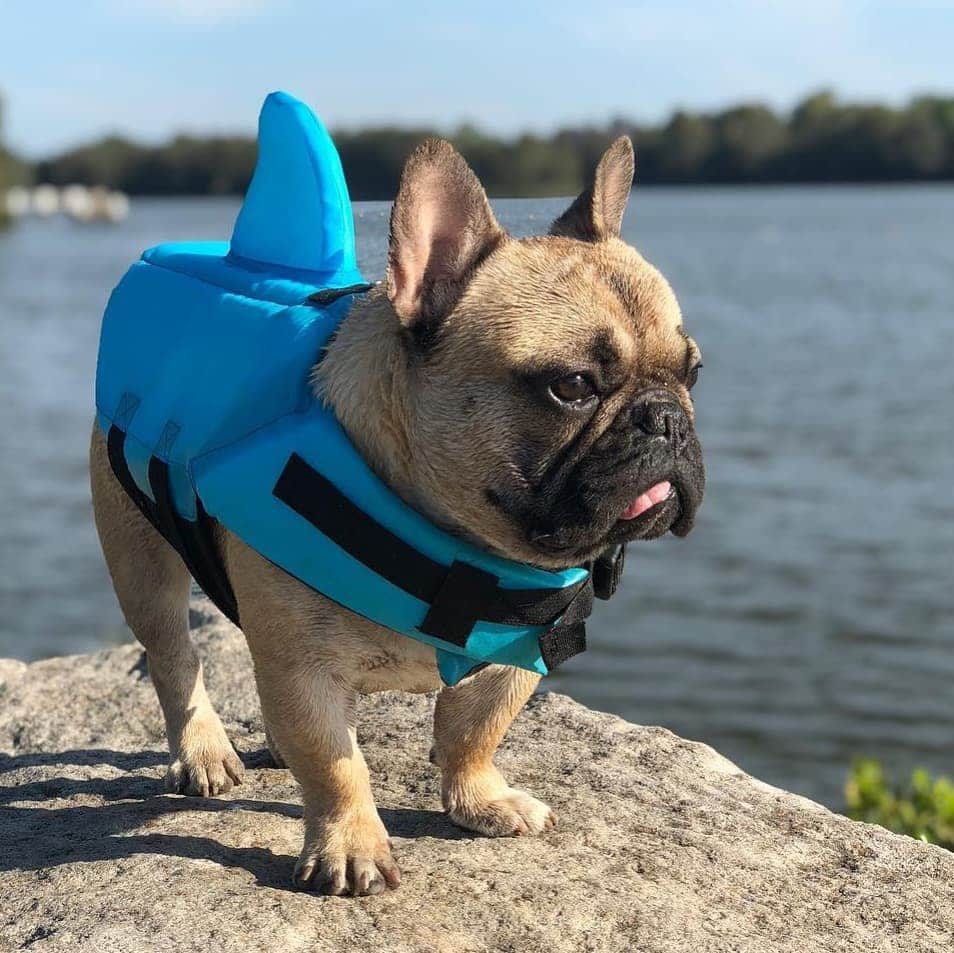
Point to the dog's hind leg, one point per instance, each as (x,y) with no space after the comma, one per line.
(152,585)
(470,721)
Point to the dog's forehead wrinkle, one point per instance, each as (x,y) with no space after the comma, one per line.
(603,348)
(620,284)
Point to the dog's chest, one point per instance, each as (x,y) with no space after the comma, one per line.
(382,660)
(368,657)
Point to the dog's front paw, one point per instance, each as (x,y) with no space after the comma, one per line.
(206,763)
(506,812)
(348,857)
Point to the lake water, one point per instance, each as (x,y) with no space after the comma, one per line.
(809,617)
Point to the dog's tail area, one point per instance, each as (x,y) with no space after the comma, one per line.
(297,212)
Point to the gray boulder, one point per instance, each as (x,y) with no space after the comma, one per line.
(662,844)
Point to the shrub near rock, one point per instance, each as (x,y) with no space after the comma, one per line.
(922,808)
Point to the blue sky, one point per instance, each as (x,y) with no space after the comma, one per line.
(71,71)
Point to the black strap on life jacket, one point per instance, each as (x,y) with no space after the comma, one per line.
(193,540)
(327,296)
(459,596)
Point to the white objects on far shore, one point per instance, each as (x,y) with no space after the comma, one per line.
(80,203)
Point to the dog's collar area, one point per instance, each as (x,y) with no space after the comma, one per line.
(458,596)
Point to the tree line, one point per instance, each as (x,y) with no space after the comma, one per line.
(820,140)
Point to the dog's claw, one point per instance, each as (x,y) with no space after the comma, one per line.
(205,763)
(334,884)
(359,876)
(366,880)
(301,878)
(211,774)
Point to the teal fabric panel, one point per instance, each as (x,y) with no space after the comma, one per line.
(215,364)
(192,356)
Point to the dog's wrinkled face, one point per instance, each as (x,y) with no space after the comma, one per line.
(548,378)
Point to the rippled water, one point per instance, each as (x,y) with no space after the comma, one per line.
(808,618)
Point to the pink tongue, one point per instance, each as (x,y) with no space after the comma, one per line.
(655,494)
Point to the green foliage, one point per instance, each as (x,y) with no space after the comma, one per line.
(922,808)
(185,166)
(821,140)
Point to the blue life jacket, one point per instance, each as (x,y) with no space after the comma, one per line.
(202,390)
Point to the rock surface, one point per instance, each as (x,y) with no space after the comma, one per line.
(662,845)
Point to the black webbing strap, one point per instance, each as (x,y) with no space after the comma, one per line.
(193,541)
(330,295)
(458,596)
(568,637)
(606,571)
(115,441)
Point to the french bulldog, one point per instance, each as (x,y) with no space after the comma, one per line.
(531,396)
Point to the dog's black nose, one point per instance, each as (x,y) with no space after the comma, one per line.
(659,414)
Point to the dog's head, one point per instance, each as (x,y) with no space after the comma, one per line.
(544,382)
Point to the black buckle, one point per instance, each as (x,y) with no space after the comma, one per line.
(459,604)
(608,570)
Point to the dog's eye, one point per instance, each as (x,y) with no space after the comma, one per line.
(693,375)
(573,389)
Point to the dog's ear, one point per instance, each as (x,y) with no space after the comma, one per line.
(597,212)
(442,228)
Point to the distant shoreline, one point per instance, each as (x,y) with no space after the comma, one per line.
(821,142)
